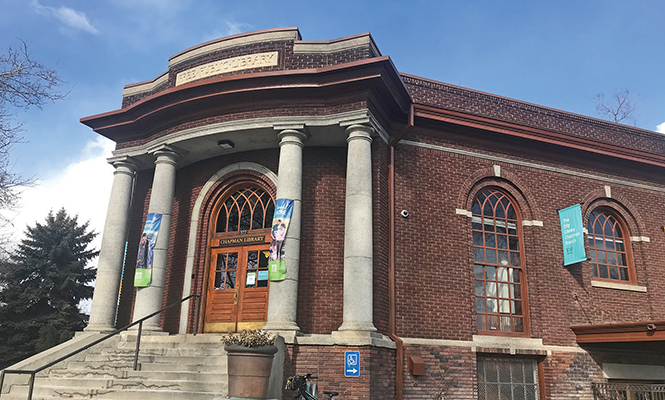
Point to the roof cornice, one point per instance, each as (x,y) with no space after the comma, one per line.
(537,134)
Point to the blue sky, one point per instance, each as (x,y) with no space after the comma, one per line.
(558,54)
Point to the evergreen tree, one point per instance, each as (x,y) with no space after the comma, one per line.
(41,286)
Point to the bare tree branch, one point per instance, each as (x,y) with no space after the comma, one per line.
(24,83)
(620,108)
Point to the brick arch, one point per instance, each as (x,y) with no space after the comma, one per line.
(620,204)
(197,249)
(507,181)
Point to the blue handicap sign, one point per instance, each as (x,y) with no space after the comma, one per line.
(351,363)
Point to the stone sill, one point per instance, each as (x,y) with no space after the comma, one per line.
(619,286)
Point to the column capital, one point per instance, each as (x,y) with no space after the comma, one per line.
(291,136)
(359,132)
(124,165)
(166,155)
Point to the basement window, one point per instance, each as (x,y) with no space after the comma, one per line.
(507,379)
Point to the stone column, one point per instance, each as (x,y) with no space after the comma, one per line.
(283,301)
(149,299)
(109,267)
(358,244)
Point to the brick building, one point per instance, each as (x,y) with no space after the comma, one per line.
(424,235)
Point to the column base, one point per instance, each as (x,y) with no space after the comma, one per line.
(355,326)
(99,328)
(281,326)
(361,338)
(148,329)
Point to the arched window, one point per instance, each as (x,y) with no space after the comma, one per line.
(498,264)
(609,248)
(248,208)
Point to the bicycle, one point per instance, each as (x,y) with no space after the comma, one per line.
(299,383)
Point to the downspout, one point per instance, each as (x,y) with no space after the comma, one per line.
(399,364)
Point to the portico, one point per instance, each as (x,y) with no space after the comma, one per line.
(160,142)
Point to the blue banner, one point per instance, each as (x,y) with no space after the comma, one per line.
(572,235)
(280,223)
(143,274)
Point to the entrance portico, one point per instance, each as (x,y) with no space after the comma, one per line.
(174,135)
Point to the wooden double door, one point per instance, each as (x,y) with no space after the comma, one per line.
(237,296)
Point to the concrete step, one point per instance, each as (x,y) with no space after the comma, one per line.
(135,383)
(127,365)
(216,376)
(196,351)
(59,392)
(10,396)
(177,340)
(171,367)
(194,360)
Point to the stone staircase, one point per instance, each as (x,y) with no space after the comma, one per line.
(182,367)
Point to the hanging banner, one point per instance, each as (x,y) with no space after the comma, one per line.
(143,274)
(572,235)
(280,223)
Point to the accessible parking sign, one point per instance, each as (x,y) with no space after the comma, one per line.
(351,363)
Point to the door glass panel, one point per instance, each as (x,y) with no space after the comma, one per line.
(263,269)
(251,274)
(219,271)
(231,268)
(257,269)
(225,271)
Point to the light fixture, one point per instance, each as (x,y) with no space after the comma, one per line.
(226,144)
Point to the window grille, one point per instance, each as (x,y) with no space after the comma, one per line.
(507,379)
(498,263)
(608,249)
(247,209)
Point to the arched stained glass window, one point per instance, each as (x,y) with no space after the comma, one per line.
(247,209)
(608,248)
(498,264)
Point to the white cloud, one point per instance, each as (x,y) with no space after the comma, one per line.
(232,28)
(82,188)
(71,17)
(661,128)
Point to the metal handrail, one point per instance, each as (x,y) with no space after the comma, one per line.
(33,373)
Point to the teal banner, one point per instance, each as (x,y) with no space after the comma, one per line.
(143,273)
(280,223)
(572,235)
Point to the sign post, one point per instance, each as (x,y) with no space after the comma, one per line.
(571,235)
(352,363)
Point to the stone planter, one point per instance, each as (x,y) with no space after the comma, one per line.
(249,370)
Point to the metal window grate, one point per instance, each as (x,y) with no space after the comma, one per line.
(507,379)
(628,391)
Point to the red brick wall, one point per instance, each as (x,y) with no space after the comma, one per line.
(381,227)
(433,246)
(321,281)
(377,371)
(448,369)
(569,376)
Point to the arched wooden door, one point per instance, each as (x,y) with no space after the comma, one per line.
(237,281)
